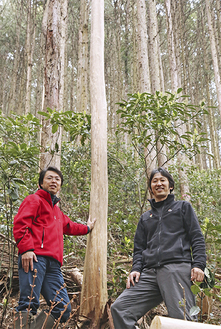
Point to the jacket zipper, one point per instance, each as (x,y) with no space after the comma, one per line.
(160,220)
(42,241)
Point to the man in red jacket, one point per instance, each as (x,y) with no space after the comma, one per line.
(38,230)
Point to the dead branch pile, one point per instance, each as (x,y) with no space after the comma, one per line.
(8,265)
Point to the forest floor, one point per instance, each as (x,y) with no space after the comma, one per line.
(144,323)
(6,320)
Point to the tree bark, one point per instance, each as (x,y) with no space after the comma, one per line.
(82,82)
(214,54)
(30,44)
(155,70)
(212,128)
(154,49)
(175,84)
(55,29)
(19,9)
(143,61)
(94,289)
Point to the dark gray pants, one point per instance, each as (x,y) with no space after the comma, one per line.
(154,286)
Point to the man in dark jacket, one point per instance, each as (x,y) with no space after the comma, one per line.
(38,230)
(169,253)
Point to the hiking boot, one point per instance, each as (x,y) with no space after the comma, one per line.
(24,320)
(39,322)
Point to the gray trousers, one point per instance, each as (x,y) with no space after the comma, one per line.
(153,287)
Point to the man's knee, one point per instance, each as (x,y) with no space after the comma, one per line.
(59,309)
(115,307)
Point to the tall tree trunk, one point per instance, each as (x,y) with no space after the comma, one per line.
(143,69)
(212,129)
(54,25)
(154,49)
(95,267)
(176,83)
(30,44)
(82,82)
(175,79)
(218,7)
(214,54)
(143,62)
(40,87)
(155,69)
(134,74)
(17,53)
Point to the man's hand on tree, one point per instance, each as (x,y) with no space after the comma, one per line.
(91,223)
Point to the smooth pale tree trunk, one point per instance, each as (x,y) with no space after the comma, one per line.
(54,26)
(155,69)
(82,81)
(214,54)
(94,288)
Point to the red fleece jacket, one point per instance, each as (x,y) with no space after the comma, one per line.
(39,226)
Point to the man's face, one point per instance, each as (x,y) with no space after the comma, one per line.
(51,182)
(160,187)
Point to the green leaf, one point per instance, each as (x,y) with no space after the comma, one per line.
(19,181)
(14,195)
(195,289)
(56,147)
(54,128)
(44,114)
(207,272)
(194,310)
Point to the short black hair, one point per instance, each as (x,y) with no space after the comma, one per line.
(51,168)
(164,173)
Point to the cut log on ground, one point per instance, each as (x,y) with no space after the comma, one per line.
(77,276)
(160,322)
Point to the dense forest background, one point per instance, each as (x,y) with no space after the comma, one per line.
(162,67)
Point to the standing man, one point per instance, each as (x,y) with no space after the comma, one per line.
(38,231)
(169,251)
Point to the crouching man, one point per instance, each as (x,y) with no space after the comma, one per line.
(169,253)
(38,231)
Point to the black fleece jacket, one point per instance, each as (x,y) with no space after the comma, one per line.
(168,233)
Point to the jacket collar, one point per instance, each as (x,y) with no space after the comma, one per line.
(52,199)
(167,201)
